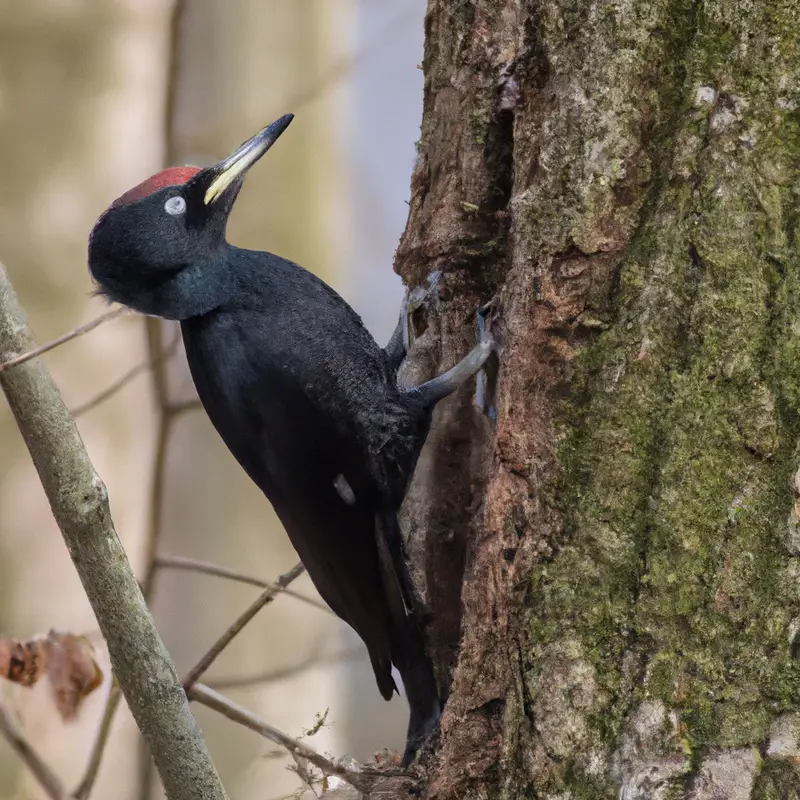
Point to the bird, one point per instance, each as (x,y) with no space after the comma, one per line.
(300,392)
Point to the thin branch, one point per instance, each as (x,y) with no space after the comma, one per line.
(155,347)
(66,337)
(104,731)
(158,473)
(49,781)
(267,596)
(171,93)
(79,502)
(111,390)
(314,659)
(363,781)
(160,388)
(206,568)
(174,409)
(123,381)
(168,413)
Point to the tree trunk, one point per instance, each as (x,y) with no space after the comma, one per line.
(612,567)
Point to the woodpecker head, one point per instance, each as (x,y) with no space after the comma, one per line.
(158,248)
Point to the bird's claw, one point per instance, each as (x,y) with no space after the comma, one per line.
(486,315)
(486,379)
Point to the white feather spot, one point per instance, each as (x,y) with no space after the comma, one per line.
(345,490)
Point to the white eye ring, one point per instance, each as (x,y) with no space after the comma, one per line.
(175,206)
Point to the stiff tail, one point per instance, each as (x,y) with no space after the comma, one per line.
(412,661)
(409,652)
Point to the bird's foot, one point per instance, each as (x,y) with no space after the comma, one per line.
(397,348)
(434,390)
(486,315)
(486,379)
(419,298)
(419,733)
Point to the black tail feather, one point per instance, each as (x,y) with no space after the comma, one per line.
(410,656)
(409,652)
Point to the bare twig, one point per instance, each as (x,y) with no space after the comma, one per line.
(160,387)
(66,337)
(306,774)
(363,781)
(178,407)
(166,419)
(111,390)
(122,382)
(314,659)
(93,767)
(173,82)
(206,568)
(49,781)
(79,502)
(267,596)
(155,348)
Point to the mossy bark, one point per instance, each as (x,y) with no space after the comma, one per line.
(618,555)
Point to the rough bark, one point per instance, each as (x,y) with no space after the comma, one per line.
(612,568)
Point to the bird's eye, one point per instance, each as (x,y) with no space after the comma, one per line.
(175,206)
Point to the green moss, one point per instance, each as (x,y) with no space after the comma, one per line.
(481,116)
(778,779)
(677,425)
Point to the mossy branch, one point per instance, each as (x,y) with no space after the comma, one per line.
(79,502)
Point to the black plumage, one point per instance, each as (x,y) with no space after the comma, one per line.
(298,389)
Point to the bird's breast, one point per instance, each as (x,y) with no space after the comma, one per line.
(279,419)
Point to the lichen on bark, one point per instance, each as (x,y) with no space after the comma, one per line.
(624,176)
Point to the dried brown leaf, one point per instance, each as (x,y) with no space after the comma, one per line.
(67,660)
(21,662)
(73,672)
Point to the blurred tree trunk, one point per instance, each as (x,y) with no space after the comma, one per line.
(619,554)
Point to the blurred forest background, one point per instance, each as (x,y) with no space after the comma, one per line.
(85,114)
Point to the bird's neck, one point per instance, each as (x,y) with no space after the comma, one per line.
(230,278)
(194,291)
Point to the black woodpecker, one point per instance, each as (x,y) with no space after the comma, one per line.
(300,392)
